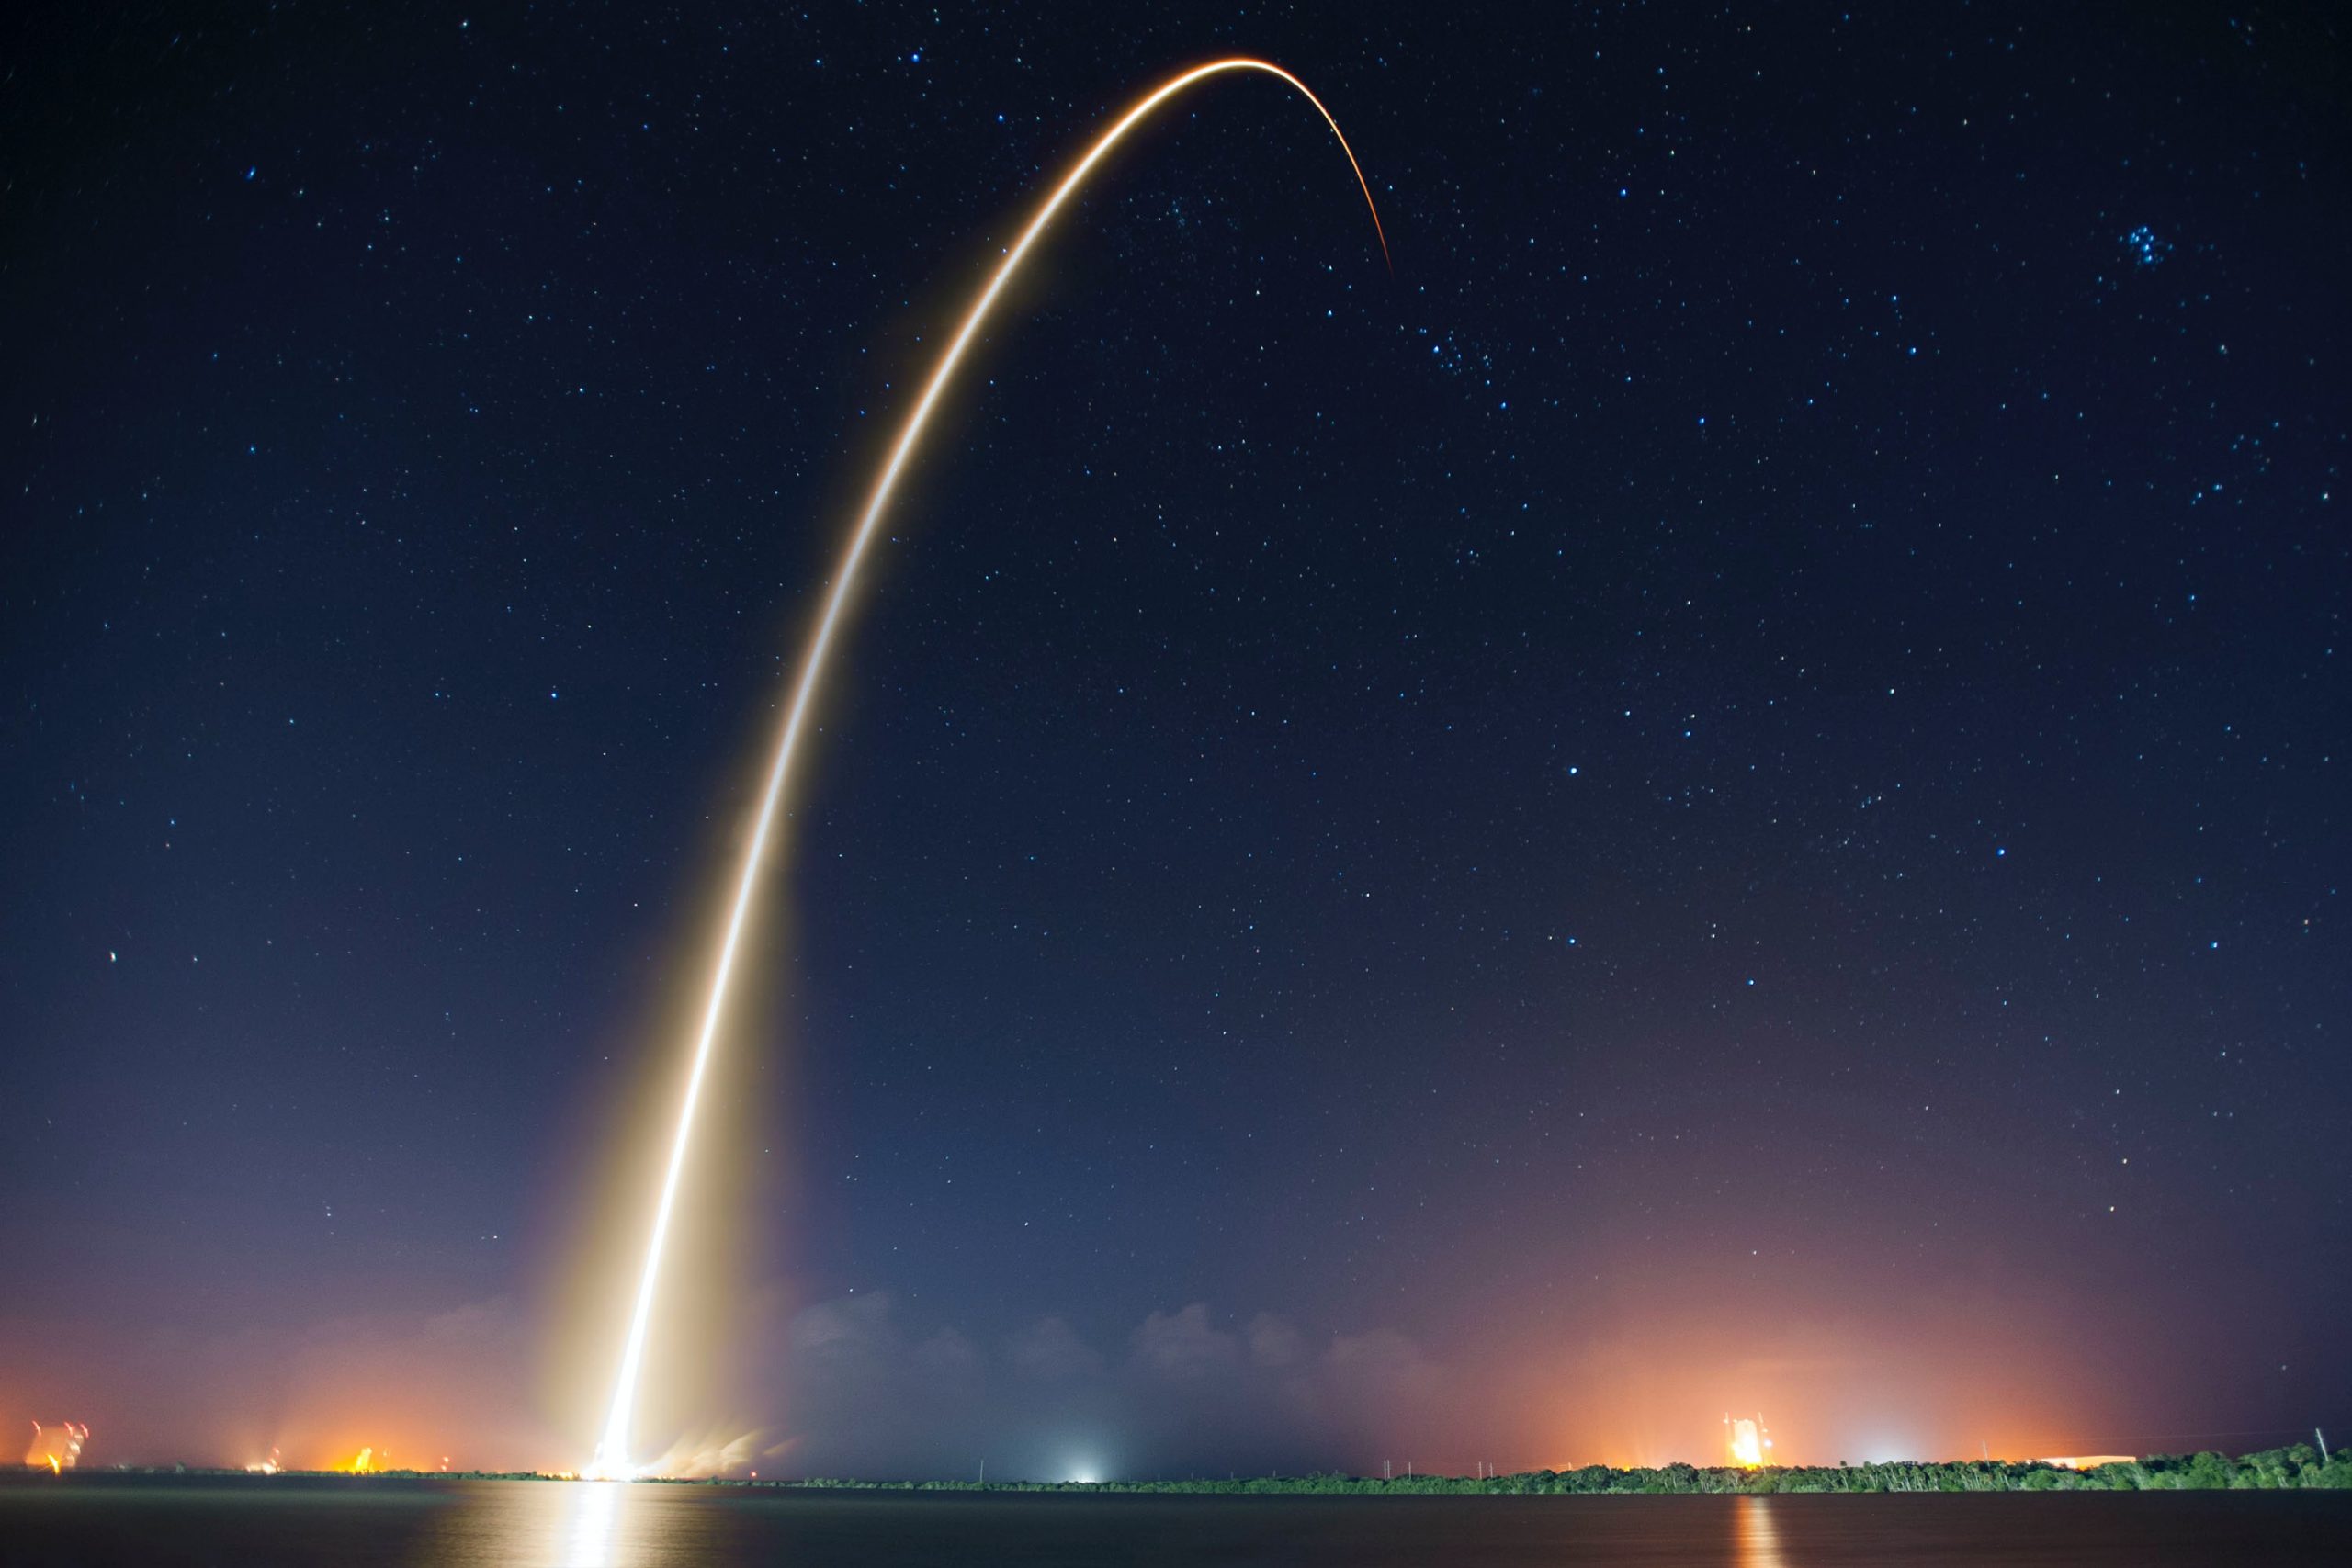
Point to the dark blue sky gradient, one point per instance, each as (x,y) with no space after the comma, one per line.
(1727,792)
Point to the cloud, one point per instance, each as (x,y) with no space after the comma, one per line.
(948,1352)
(870,1394)
(1379,1379)
(719,1452)
(1382,1358)
(1181,1346)
(1272,1341)
(855,1385)
(457,1382)
(848,1328)
(1049,1350)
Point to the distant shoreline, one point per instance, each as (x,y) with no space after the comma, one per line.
(2298,1468)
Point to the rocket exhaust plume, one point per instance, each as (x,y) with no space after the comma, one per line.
(612,1450)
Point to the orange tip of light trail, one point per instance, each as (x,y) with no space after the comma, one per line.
(611,1458)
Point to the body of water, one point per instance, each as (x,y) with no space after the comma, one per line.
(391,1524)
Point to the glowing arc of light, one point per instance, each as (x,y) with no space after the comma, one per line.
(611,1459)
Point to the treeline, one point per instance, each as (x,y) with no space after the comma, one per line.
(2273,1470)
(2288,1469)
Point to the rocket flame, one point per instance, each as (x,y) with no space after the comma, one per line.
(1745,1437)
(612,1450)
(59,1446)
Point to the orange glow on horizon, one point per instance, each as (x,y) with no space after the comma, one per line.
(1746,1439)
(1645,1375)
(2087,1461)
(58,1447)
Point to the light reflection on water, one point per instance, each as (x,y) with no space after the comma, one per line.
(1756,1540)
(650,1525)
(615,1524)
(555,1524)
(568,1524)
(588,1529)
(618,1524)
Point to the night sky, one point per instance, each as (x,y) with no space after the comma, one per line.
(1728,794)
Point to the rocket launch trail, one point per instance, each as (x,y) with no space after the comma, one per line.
(611,1460)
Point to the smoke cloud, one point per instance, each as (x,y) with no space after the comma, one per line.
(869,1396)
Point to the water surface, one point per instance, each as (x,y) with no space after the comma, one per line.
(586,1525)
